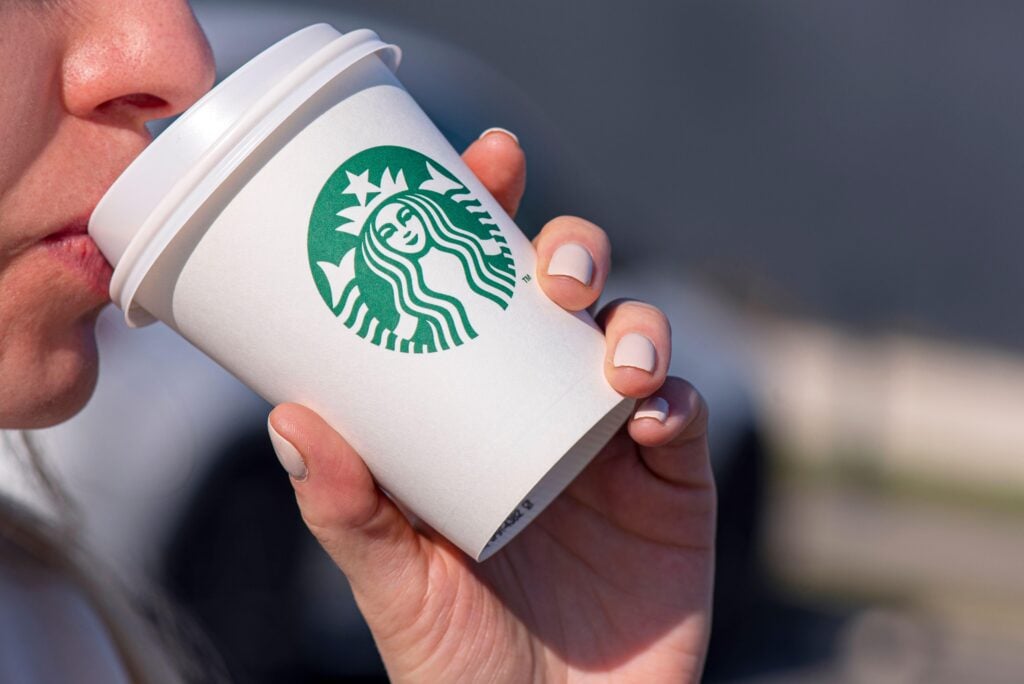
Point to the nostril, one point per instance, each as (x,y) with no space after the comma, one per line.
(135,101)
(144,101)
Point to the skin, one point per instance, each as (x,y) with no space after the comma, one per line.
(613,579)
(80,79)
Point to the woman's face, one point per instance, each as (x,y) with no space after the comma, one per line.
(80,78)
(401,228)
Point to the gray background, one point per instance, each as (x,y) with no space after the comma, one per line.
(856,161)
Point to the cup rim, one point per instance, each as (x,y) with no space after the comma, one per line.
(209,168)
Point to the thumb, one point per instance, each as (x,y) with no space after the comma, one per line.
(361,529)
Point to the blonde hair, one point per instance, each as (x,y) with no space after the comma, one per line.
(157,644)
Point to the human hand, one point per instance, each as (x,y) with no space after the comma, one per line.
(612,580)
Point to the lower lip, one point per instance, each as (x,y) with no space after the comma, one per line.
(80,254)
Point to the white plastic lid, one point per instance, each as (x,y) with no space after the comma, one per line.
(143,209)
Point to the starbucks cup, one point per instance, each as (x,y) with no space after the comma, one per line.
(307,226)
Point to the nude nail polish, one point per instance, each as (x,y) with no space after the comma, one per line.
(635,351)
(652,407)
(572,260)
(287,454)
(496,129)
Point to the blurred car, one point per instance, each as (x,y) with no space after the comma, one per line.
(170,461)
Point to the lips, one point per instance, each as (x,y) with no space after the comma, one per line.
(79,226)
(78,254)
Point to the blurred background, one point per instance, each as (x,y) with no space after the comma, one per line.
(824,196)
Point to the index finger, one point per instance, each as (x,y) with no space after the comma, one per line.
(498,161)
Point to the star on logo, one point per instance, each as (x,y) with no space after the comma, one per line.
(360,186)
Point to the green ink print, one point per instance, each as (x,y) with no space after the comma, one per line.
(375,220)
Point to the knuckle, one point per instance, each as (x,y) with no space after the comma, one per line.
(594,231)
(576,223)
(554,225)
(658,316)
(648,312)
(572,219)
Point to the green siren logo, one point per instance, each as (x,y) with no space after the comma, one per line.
(404,254)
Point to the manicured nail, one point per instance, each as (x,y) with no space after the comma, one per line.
(499,130)
(652,407)
(636,351)
(572,260)
(287,454)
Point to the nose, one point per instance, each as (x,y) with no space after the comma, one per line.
(130,61)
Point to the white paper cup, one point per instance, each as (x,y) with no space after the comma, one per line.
(308,227)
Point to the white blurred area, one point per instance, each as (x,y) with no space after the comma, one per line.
(912,406)
(899,489)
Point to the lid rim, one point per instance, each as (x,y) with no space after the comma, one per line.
(221,158)
(138,189)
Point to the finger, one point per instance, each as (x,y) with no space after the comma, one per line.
(671,428)
(360,528)
(638,341)
(498,161)
(573,260)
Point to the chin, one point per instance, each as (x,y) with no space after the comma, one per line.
(71,399)
(63,385)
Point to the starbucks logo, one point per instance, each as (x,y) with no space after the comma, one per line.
(404,254)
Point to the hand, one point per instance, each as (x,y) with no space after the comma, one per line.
(613,580)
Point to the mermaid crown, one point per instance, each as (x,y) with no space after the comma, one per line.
(361,186)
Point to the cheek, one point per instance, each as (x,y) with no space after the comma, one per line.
(28,94)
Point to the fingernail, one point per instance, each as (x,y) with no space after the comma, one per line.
(287,454)
(652,407)
(572,260)
(636,351)
(496,129)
